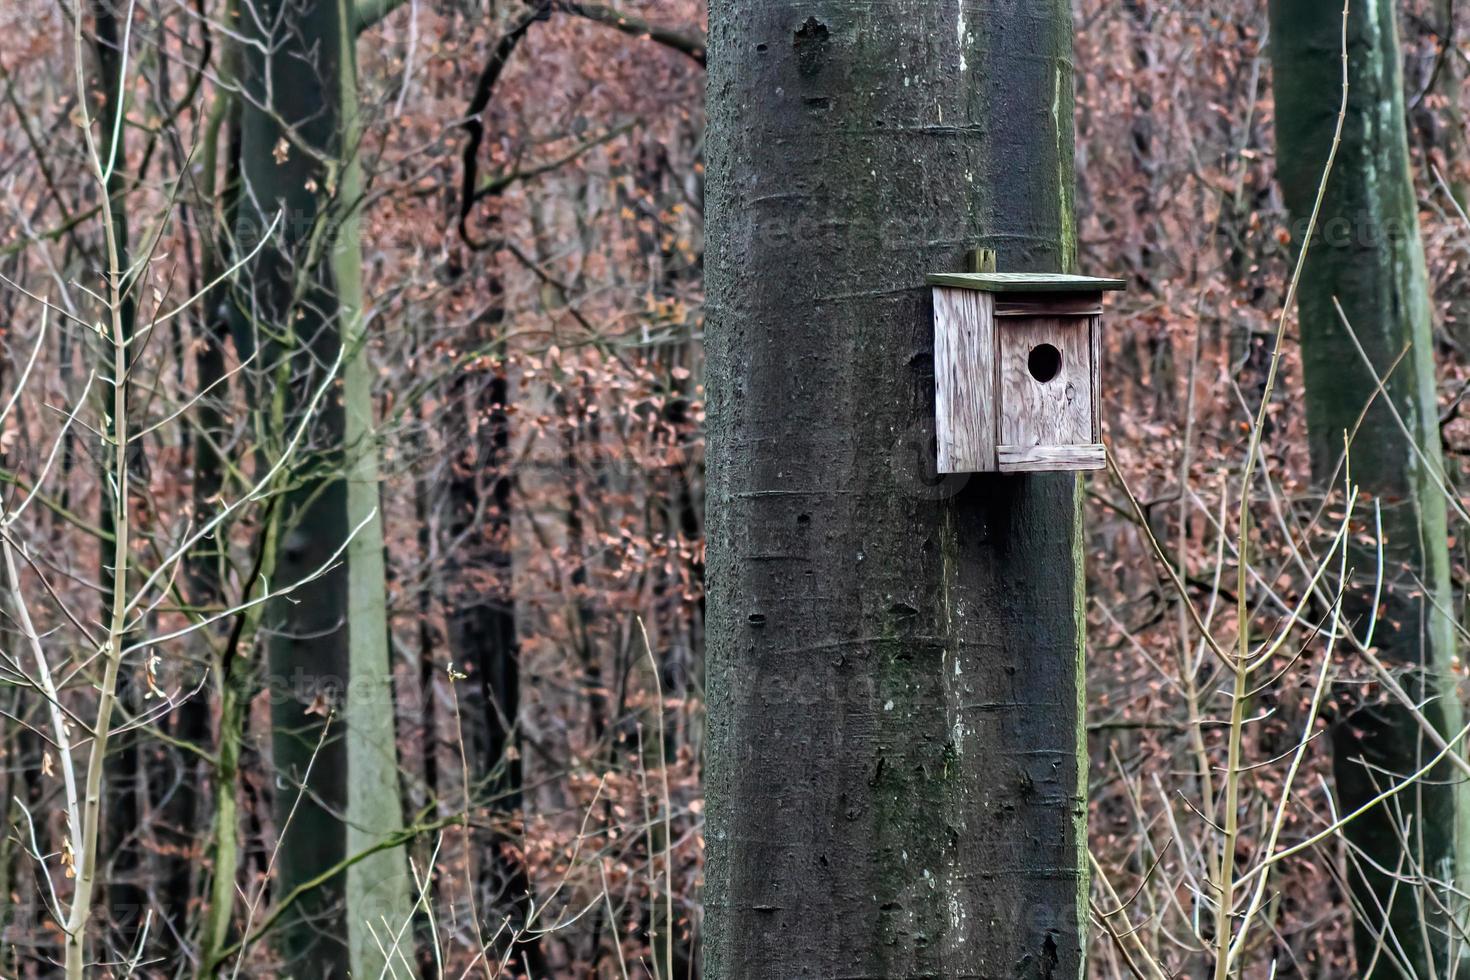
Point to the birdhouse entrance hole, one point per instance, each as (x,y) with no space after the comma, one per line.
(1044,363)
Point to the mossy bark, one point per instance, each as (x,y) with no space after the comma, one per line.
(289,306)
(328,639)
(379,887)
(1368,255)
(229,675)
(895,780)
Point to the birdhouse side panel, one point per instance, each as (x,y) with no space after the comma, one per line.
(964,380)
(1046,379)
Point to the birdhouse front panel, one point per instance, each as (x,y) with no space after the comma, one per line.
(1045,375)
(1017,377)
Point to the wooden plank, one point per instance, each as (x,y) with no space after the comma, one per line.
(1023,282)
(1049,304)
(964,392)
(1056,411)
(1033,459)
(980,260)
(1094,332)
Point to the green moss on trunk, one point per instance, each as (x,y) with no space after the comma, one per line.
(328,639)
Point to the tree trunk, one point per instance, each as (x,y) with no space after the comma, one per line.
(299,137)
(379,903)
(480,600)
(896,784)
(307,630)
(1369,256)
(481,616)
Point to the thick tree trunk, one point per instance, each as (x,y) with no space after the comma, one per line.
(379,887)
(1368,255)
(298,155)
(307,631)
(896,785)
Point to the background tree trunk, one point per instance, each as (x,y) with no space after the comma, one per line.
(1369,256)
(481,619)
(895,776)
(329,646)
(290,99)
(379,887)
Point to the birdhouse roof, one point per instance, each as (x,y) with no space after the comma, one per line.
(1024,282)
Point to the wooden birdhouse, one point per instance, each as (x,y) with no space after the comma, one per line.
(1016,369)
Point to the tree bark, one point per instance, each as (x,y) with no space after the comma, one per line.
(307,630)
(481,621)
(1368,255)
(379,900)
(896,779)
(328,638)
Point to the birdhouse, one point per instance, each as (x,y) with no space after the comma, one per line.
(1016,367)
